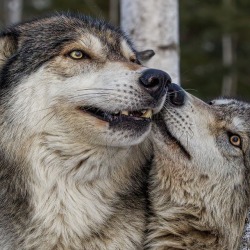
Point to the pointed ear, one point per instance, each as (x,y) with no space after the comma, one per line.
(145,55)
(8,46)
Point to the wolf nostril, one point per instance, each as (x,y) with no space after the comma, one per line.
(176,94)
(155,82)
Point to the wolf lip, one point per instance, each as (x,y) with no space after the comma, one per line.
(120,116)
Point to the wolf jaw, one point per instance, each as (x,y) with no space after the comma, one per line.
(70,177)
(199,200)
(119,116)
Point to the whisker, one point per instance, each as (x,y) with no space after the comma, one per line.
(196,90)
(92,89)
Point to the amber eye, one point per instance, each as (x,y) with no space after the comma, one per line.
(235,140)
(78,54)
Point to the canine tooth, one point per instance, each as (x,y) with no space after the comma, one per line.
(143,111)
(148,114)
(124,112)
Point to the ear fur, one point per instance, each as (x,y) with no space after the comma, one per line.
(145,55)
(8,46)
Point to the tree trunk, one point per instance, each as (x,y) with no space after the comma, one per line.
(13,11)
(229,83)
(154,25)
(229,87)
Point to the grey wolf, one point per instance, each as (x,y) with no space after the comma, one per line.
(75,111)
(199,182)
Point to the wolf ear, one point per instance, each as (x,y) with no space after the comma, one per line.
(145,55)
(8,46)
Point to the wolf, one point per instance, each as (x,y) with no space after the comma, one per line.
(75,111)
(199,183)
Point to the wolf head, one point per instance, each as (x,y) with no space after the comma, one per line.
(79,76)
(213,137)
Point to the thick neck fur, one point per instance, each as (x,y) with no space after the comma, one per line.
(191,210)
(77,196)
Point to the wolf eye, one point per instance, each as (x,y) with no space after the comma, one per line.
(235,140)
(78,54)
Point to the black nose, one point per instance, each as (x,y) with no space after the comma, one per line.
(155,82)
(176,94)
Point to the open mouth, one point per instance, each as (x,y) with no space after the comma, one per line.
(120,116)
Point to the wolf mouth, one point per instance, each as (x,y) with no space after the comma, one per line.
(120,116)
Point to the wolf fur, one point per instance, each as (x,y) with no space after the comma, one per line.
(199,182)
(69,180)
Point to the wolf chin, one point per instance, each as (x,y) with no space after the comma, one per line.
(75,111)
(199,182)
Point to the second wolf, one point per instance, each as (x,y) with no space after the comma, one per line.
(200,179)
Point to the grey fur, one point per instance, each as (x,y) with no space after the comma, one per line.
(67,179)
(199,182)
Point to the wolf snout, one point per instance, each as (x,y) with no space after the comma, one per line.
(176,94)
(155,82)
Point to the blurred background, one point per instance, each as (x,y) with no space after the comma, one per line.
(213,38)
